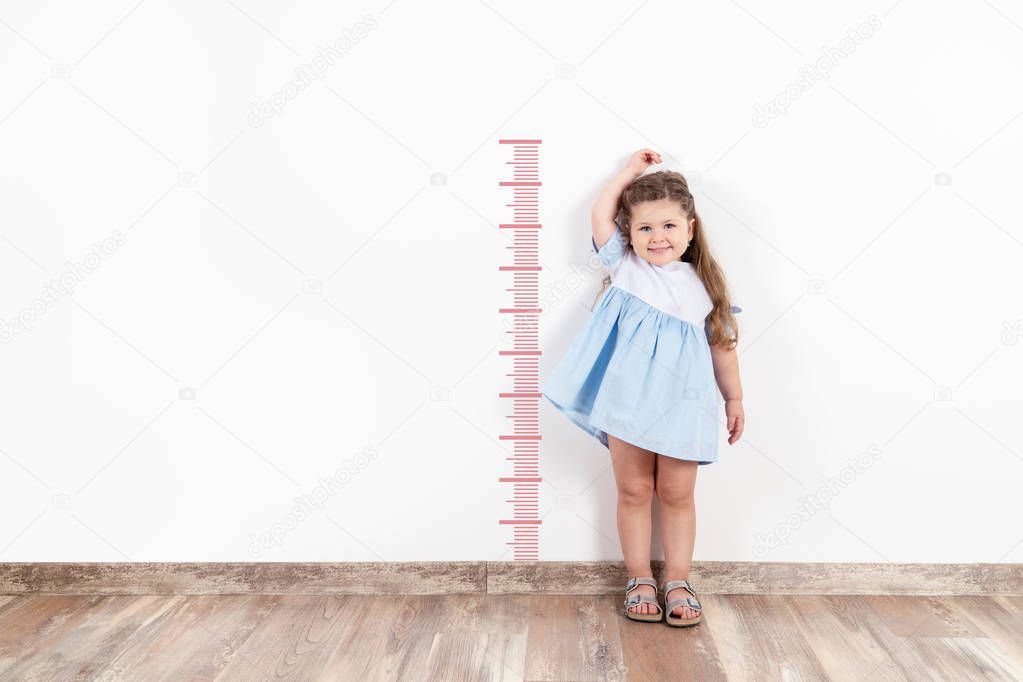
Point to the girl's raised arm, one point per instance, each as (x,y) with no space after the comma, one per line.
(605,210)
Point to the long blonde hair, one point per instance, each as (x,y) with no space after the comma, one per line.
(671,185)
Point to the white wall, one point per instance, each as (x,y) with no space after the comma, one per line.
(868,285)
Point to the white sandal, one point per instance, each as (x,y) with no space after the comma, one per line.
(692,602)
(635,599)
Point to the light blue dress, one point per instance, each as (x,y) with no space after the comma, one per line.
(641,367)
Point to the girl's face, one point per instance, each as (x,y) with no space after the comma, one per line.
(659,231)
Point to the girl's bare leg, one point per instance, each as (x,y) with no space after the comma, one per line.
(634,479)
(676,480)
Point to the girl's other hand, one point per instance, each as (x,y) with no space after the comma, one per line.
(641,160)
(736,419)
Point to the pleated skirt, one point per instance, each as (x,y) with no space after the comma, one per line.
(641,375)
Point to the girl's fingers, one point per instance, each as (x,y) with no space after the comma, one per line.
(735,433)
(738,433)
(735,425)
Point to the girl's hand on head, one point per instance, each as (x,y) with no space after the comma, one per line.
(641,160)
(736,419)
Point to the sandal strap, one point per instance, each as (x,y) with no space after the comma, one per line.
(692,602)
(675,584)
(636,599)
(683,601)
(635,582)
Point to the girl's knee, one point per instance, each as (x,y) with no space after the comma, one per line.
(637,491)
(676,492)
(674,495)
(675,482)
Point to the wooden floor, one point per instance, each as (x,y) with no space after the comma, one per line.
(506,637)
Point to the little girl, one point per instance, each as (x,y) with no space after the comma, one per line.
(641,375)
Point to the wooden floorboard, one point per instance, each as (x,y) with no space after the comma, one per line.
(506,637)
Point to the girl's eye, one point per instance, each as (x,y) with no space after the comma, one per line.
(670,225)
